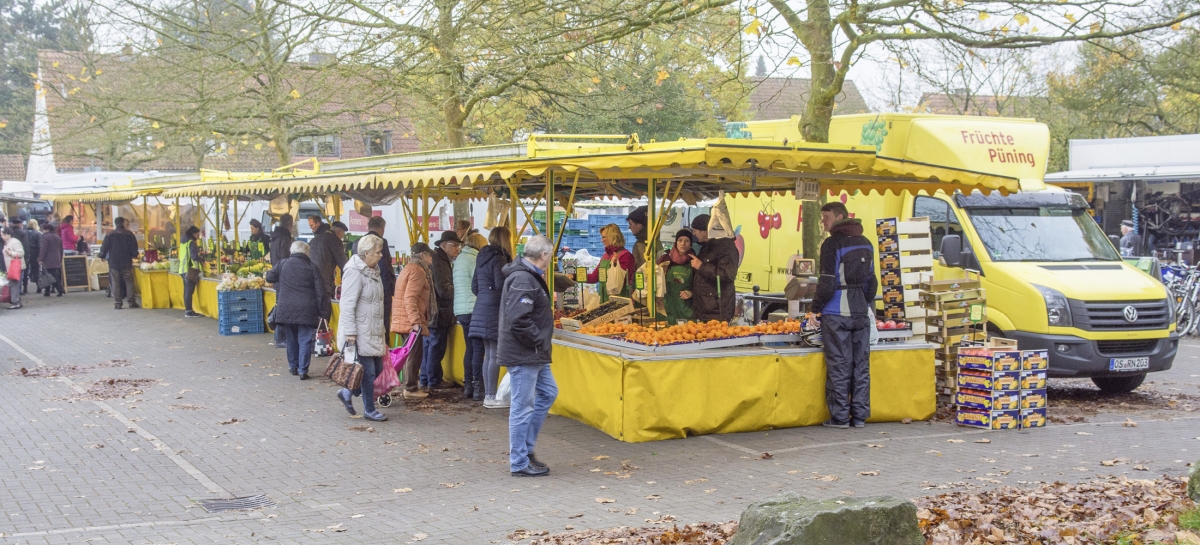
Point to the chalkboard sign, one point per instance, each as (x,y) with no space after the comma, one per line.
(75,272)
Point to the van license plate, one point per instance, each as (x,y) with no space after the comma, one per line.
(1128,364)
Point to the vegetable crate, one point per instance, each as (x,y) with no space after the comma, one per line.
(240,312)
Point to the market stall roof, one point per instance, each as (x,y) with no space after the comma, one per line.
(121,192)
(1184,173)
(1147,158)
(605,167)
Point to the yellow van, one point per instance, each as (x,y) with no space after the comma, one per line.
(1054,280)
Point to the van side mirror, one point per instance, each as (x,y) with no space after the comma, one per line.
(951,251)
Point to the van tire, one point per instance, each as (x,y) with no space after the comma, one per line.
(1119,385)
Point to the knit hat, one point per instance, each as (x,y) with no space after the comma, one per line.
(700,223)
(421,248)
(685,233)
(638,215)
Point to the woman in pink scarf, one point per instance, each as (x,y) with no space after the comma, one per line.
(67,233)
(678,272)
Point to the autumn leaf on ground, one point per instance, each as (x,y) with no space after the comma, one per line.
(1129,423)
(955,441)
(601,457)
(984,440)
(401,490)
(765,456)
(605,500)
(451,485)
(1082,433)
(869,473)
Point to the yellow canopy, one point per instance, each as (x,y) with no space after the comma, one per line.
(607,169)
(115,196)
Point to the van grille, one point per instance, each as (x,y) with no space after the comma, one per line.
(1118,348)
(1110,315)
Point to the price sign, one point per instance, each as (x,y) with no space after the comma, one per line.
(580,275)
(976,311)
(603,274)
(639,281)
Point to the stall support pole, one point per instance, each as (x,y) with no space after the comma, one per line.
(237,220)
(145,222)
(550,233)
(178,223)
(424,215)
(651,240)
(514,199)
(570,209)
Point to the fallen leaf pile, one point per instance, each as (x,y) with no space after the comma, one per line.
(1084,513)
(112,388)
(704,533)
(66,370)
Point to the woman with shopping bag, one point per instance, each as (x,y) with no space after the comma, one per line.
(614,274)
(361,325)
(301,305)
(14,263)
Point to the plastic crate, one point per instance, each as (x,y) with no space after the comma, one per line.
(242,328)
(243,317)
(239,296)
(574,242)
(596,221)
(577,225)
(233,307)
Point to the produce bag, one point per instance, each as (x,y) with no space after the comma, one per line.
(387,380)
(504,390)
(497,212)
(719,224)
(397,356)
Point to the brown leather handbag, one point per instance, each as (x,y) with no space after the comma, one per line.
(344,368)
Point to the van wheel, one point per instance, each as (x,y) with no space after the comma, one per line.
(1119,385)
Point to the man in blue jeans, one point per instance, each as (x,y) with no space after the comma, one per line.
(524,346)
(442,271)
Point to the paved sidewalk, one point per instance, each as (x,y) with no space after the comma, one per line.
(129,470)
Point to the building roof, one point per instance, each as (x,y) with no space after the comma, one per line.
(963,103)
(781,98)
(74,146)
(12,167)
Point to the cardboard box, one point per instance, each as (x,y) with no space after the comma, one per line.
(891,278)
(1035,360)
(893,294)
(1033,380)
(954,284)
(988,359)
(992,420)
(1033,399)
(893,311)
(987,400)
(890,243)
(1033,418)
(995,381)
(889,260)
(885,226)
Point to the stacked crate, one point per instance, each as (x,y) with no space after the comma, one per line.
(989,386)
(954,314)
(240,312)
(1033,387)
(905,253)
(596,222)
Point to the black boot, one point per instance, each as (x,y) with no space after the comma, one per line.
(468,390)
(478,390)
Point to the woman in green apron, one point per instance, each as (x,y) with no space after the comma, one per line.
(614,274)
(677,273)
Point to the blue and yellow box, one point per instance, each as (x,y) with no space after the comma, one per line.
(1033,399)
(1033,418)
(987,359)
(992,420)
(1035,360)
(1033,380)
(987,400)
(996,381)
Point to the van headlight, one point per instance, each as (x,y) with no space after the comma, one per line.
(1058,312)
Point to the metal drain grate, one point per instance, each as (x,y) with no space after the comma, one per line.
(237,504)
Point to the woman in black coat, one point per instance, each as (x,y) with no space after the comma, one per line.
(486,284)
(300,305)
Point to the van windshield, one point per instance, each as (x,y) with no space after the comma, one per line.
(1041,234)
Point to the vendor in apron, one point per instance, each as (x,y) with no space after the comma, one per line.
(677,274)
(614,274)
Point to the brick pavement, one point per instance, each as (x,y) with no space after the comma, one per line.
(74,471)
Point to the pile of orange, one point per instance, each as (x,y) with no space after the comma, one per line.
(690,332)
(777,328)
(610,329)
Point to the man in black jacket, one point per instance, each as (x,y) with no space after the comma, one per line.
(120,247)
(326,251)
(716,268)
(281,240)
(845,300)
(33,236)
(376,226)
(448,248)
(524,346)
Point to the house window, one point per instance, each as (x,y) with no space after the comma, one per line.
(326,145)
(378,142)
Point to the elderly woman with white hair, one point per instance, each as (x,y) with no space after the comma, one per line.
(360,322)
(300,305)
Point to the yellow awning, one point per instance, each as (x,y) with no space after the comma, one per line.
(114,196)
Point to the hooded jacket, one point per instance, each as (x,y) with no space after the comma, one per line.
(413,301)
(300,296)
(443,286)
(847,285)
(281,244)
(327,254)
(527,315)
(361,308)
(713,289)
(464,270)
(487,285)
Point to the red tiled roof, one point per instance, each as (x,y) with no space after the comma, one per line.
(74,142)
(12,167)
(968,104)
(781,98)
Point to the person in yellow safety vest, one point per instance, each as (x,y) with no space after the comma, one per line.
(189,267)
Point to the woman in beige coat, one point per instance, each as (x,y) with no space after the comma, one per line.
(360,323)
(412,309)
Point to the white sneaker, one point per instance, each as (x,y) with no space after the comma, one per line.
(490,402)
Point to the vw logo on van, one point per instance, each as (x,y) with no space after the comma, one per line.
(1130,314)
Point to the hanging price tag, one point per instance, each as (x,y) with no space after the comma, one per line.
(603,274)
(639,281)
(976,313)
(580,275)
